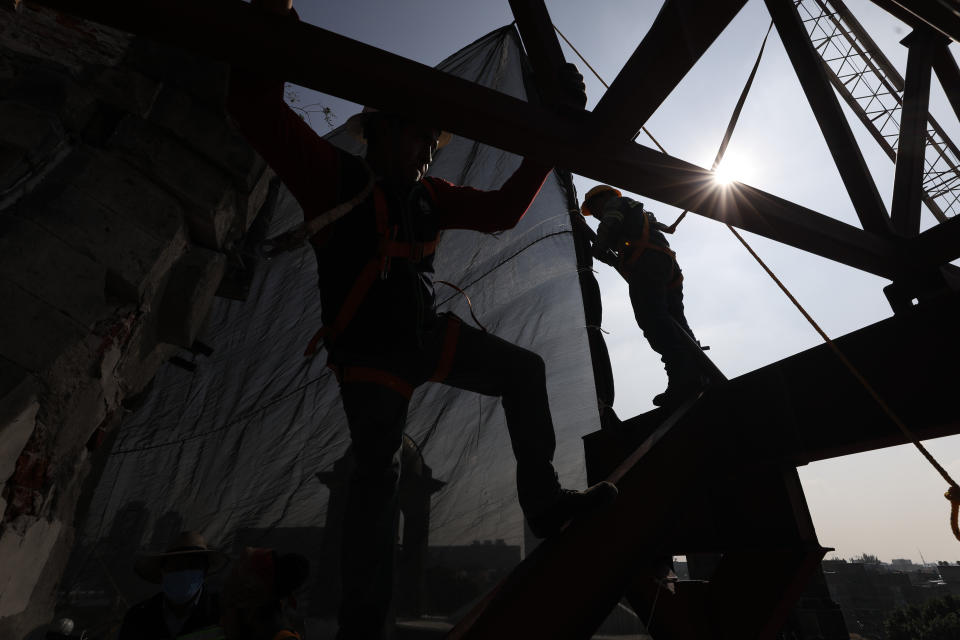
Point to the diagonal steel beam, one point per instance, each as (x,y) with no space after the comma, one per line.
(833,123)
(942,15)
(232,30)
(680,34)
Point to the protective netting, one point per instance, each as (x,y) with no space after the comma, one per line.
(234,448)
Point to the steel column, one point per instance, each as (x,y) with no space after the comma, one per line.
(833,123)
(542,46)
(908,179)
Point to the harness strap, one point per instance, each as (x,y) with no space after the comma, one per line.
(449,350)
(387,248)
(414,251)
(644,243)
(285,634)
(349,307)
(369,375)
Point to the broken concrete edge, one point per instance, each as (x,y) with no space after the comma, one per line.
(24,543)
(189,295)
(90,365)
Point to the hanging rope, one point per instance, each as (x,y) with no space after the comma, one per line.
(469,304)
(953,492)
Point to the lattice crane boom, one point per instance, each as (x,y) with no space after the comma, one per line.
(873,89)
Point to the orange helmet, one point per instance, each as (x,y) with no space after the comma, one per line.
(600,188)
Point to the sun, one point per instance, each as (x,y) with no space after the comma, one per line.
(733,168)
(722,175)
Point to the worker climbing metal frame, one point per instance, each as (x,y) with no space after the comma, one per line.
(731,428)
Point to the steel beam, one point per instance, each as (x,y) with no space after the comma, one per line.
(942,15)
(925,13)
(680,34)
(937,245)
(949,75)
(833,123)
(232,30)
(542,46)
(819,408)
(908,178)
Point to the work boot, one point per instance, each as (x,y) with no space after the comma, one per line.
(677,392)
(570,505)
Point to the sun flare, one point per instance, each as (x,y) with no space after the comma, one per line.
(733,169)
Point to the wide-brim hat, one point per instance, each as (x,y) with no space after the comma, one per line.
(188,543)
(357,121)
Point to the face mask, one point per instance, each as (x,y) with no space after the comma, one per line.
(181,586)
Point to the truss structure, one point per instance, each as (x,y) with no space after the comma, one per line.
(873,89)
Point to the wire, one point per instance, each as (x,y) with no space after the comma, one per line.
(469,304)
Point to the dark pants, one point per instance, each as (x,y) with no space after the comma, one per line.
(656,292)
(377,415)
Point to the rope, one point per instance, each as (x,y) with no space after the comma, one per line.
(603,82)
(734,117)
(953,492)
(469,304)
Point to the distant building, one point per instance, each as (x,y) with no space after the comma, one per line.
(868,592)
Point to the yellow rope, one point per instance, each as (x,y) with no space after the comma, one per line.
(953,493)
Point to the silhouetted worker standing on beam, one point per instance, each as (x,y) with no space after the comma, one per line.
(374,226)
(631,240)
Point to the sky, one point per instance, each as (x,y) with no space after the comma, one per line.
(888,502)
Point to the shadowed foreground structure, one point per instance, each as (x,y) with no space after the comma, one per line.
(751,432)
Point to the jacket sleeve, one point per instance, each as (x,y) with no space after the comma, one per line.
(468,208)
(306,163)
(611,220)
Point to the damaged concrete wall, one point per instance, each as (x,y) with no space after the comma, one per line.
(124,196)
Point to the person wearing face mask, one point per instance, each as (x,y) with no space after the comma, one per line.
(183,605)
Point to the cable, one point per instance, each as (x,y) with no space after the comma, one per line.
(469,304)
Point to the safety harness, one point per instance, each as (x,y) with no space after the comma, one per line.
(635,248)
(387,248)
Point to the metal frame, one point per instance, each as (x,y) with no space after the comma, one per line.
(873,89)
(833,123)
(371,76)
(607,552)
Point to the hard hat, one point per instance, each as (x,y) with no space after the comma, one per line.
(600,188)
(356,122)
